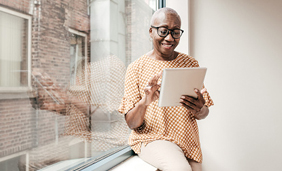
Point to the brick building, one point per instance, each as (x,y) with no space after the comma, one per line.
(22,128)
(54,35)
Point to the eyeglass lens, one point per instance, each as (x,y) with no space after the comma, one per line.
(163,32)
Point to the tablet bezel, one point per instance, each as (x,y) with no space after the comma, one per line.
(180,81)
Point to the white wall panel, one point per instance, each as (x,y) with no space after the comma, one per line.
(240,43)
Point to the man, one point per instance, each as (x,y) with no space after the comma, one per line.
(165,137)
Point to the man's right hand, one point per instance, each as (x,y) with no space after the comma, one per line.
(151,90)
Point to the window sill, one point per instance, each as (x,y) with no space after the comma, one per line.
(14,89)
(15,93)
(108,162)
(84,164)
(63,165)
(134,163)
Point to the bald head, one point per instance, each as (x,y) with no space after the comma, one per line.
(163,12)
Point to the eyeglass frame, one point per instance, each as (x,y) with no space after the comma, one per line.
(169,31)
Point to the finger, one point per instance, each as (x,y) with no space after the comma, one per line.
(190,108)
(151,89)
(192,103)
(157,94)
(204,90)
(189,99)
(147,90)
(155,88)
(197,91)
(150,82)
(154,80)
(189,104)
(159,75)
(194,111)
(195,103)
(199,94)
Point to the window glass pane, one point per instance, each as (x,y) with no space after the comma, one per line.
(76,53)
(77,58)
(13,54)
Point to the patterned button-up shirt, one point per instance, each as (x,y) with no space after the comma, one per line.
(175,124)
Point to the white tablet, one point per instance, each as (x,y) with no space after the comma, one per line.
(180,81)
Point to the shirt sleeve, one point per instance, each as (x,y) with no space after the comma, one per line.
(131,90)
(209,101)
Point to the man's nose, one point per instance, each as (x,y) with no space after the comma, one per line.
(169,37)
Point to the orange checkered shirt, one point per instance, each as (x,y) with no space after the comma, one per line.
(175,124)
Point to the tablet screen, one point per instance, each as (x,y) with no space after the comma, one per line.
(180,81)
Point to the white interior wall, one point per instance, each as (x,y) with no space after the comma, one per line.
(241,44)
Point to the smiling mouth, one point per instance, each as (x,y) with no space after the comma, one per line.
(167,45)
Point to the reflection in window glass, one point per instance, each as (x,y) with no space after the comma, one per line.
(13,50)
(79,52)
(77,57)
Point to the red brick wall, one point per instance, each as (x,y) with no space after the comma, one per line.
(52,23)
(17,5)
(21,128)
(17,121)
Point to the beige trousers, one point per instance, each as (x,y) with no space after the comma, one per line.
(167,156)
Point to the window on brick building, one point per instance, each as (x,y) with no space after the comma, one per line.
(78,59)
(14,50)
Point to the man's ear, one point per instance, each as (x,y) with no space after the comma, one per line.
(150,32)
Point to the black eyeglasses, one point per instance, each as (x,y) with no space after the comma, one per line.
(163,32)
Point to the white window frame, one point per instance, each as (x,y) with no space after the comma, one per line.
(29,20)
(85,51)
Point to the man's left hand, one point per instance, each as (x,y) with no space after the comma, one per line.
(193,104)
